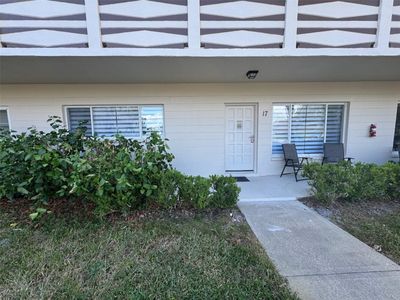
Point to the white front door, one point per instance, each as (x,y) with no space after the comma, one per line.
(239,138)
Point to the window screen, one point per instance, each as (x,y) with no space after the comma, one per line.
(152,119)
(280,127)
(131,121)
(79,116)
(109,121)
(334,124)
(308,126)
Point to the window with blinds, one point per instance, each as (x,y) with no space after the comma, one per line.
(308,126)
(131,121)
(152,119)
(79,116)
(4,125)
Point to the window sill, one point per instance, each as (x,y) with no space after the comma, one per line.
(313,157)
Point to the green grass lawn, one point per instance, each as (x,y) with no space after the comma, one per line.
(382,233)
(376,223)
(162,255)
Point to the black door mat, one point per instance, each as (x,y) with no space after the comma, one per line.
(241,179)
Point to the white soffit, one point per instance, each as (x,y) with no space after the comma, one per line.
(42,8)
(242,9)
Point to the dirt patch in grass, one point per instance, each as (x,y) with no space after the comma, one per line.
(148,254)
(20,208)
(78,210)
(376,223)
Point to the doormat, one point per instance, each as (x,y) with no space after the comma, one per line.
(241,179)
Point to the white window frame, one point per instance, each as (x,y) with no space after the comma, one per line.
(139,106)
(8,116)
(344,123)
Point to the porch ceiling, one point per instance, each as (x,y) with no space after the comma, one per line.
(195,69)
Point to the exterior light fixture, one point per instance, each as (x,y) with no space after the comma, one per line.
(252,74)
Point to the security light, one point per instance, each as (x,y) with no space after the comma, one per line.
(252,74)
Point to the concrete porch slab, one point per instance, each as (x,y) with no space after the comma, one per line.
(320,260)
(273,188)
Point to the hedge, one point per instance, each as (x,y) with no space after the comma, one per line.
(361,181)
(115,174)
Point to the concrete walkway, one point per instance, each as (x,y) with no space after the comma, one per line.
(320,260)
(273,188)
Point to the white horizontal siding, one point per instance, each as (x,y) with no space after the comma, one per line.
(361,115)
(195,114)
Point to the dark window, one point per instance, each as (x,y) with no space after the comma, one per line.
(4,120)
(396,142)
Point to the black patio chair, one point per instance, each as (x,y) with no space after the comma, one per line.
(292,160)
(334,153)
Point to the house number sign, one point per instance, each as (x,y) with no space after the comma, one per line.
(265,113)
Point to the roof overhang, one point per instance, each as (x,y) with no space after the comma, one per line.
(141,69)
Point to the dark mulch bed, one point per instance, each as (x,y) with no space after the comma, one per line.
(79,210)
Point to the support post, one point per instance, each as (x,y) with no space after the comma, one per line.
(194,41)
(384,24)
(291,11)
(93,24)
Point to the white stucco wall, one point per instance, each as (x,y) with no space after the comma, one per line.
(195,114)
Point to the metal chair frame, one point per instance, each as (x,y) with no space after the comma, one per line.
(292,160)
(334,153)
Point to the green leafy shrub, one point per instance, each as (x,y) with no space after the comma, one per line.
(167,193)
(199,192)
(225,191)
(331,182)
(33,164)
(119,174)
(196,190)
(115,174)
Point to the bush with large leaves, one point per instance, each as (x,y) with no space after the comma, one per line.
(115,174)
